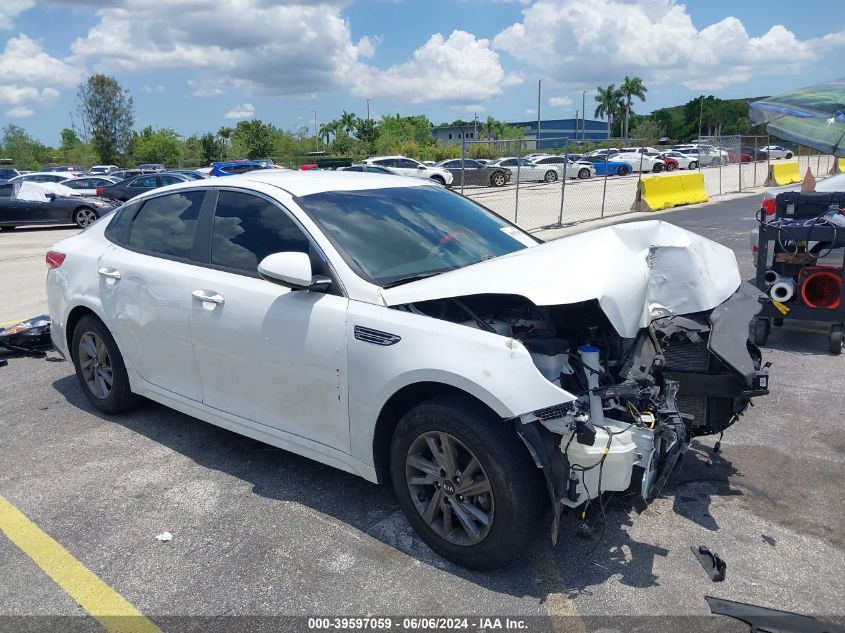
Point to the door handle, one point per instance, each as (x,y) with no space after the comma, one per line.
(109,273)
(200,295)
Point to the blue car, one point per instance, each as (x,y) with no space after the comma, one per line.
(611,167)
(238,167)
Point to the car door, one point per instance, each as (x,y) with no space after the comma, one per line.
(267,353)
(145,284)
(12,210)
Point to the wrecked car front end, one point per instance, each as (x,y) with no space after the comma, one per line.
(646,357)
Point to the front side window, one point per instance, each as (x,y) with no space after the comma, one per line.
(393,234)
(248,228)
(149,182)
(166,225)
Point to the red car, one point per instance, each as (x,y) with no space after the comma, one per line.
(740,155)
(671,163)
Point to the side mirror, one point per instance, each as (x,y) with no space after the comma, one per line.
(51,196)
(293,270)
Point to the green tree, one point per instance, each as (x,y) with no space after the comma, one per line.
(253,139)
(631,87)
(211,148)
(107,114)
(347,122)
(24,151)
(225,136)
(157,146)
(69,139)
(609,101)
(646,128)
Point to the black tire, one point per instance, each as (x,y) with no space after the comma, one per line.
(550,176)
(622,171)
(120,397)
(692,165)
(498,179)
(517,498)
(657,168)
(439,180)
(762,329)
(83,217)
(834,339)
(7,228)
(789,155)
(670,167)
(583,174)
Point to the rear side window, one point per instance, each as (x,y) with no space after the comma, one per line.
(166,225)
(248,228)
(118,229)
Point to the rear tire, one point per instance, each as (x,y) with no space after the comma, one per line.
(583,174)
(657,169)
(511,495)
(498,179)
(96,358)
(7,228)
(622,171)
(84,217)
(670,167)
(835,339)
(692,165)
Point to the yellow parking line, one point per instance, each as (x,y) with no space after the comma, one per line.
(107,606)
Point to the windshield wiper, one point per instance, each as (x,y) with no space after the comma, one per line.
(410,278)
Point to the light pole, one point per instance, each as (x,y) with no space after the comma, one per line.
(539,89)
(583,115)
(368,109)
(316,134)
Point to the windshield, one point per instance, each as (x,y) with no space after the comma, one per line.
(399,234)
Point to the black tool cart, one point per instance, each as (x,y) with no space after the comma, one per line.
(795,235)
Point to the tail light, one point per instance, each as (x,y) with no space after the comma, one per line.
(99,191)
(54,259)
(769,206)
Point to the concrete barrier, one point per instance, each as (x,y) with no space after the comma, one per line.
(663,192)
(784,173)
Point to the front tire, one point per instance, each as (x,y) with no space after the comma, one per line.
(657,169)
(7,228)
(439,180)
(622,171)
(670,167)
(498,179)
(99,367)
(583,174)
(465,482)
(789,155)
(692,165)
(84,217)
(550,176)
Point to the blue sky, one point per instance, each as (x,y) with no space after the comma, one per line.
(196,65)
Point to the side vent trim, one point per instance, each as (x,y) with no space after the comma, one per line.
(376,337)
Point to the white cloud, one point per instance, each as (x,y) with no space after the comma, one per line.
(282,48)
(243,111)
(30,77)
(10,9)
(560,101)
(459,69)
(151,89)
(530,110)
(596,42)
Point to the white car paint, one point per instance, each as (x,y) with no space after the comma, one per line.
(288,367)
(574,169)
(639,160)
(44,176)
(409,167)
(103,170)
(87,191)
(524,170)
(684,160)
(777,151)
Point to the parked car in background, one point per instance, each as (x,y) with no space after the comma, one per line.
(475,173)
(404,333)
(641,161)
(88,185)
(607,151)
(605,166)
(76,170)
(43,176)
(682,161)
(6,173)
(29,203)
(151,167)
(524,170)
(234,167)
(371,169)
(410,167)
(127,189)
(704,156)
(650,151)
(776,152)
(574,169)
(103,170)
(123,174)
(671,163)
(190,173)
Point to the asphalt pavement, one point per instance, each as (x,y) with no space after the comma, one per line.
(259,531)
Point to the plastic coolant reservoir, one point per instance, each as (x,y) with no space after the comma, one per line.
(552,366)
(616,472)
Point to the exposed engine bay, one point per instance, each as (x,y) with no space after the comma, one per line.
(636,403)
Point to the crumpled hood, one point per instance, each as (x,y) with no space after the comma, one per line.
(631,269)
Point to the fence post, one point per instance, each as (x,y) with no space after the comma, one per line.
(516,203)
(754,182)
(604,188)
(768,157)
(563,184)
(739,161)
(463,157)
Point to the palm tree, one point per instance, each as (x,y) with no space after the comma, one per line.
(631,87)
(325,131)
(609,101)
(347,122)
(225,134)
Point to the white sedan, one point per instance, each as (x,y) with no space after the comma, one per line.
(776,151)
(641,161)
(685,161)
(523,170)
(88,185)
(405,166)
(398,331)
(580,170)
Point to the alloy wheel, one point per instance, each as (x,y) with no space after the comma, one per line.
(449,488)
(95,364)
(85,218)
